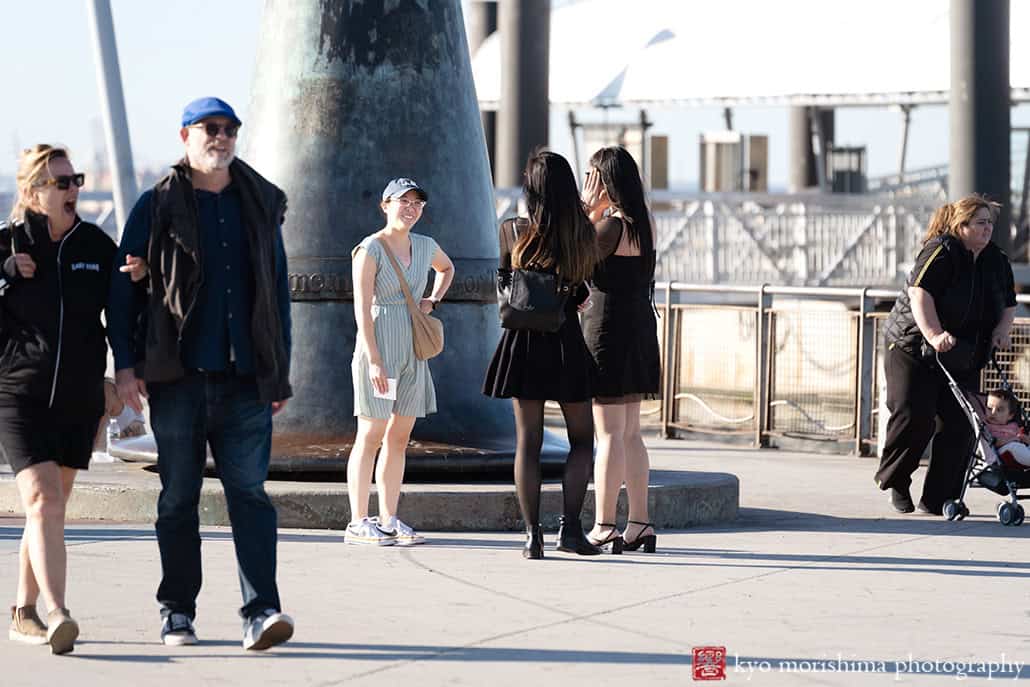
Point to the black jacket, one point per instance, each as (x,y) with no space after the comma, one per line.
(175,276)
(956,299)
(53,344)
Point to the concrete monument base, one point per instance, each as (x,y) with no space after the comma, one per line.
(127,492)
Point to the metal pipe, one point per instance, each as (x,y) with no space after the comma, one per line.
(573,128)
(1023,200)
(979,107)
(524,113)
(112,101)
(906,120)
(819,148)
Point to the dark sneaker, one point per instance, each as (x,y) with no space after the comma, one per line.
(901,500)
(61,631)
(267,629)
(177,630)
(26,626)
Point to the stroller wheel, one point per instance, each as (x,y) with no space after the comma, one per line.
(1008,514)
(954,509)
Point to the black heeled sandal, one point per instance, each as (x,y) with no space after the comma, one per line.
(649,542)
(572,540)
(534,548)
(614,538)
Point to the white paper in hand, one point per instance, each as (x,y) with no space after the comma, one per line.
(391,390)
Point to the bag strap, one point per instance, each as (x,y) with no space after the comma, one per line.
(412,308)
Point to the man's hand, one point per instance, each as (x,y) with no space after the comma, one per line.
(25,265)
(135,266)
(130,388)
(278,405)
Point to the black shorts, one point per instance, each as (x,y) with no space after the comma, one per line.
(31,433)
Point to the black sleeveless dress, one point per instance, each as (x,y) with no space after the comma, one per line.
(540,366)
(620,328)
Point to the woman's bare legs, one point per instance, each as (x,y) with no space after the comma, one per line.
(609,466)
(359,465)
(390,468)
(638,469)
(44,490)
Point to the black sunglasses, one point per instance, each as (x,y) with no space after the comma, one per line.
(64,181)
(212,129)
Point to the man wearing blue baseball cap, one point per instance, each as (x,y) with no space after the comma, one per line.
(200,318)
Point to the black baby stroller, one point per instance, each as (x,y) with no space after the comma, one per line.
(985,468)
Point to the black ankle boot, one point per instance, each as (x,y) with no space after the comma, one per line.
(534,548)
(572,540)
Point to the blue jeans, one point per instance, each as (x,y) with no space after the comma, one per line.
(222,410)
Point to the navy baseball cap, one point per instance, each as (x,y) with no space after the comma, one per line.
(202,108)
(398,187)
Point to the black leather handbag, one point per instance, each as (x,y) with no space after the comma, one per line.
(532,300)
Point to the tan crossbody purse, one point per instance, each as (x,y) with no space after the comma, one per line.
(426,330)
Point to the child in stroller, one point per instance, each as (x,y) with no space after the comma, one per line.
(1002,418)
(995,461)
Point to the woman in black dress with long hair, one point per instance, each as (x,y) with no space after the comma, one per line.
(531,367)
(622,335)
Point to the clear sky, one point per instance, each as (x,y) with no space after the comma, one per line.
(172,51)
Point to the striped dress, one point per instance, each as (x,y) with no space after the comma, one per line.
(416,395)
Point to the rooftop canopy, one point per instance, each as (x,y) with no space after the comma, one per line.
(750,52)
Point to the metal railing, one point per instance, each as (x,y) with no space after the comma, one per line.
(771,362)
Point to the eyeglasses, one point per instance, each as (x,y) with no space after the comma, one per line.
(212,129)
(405,203)
(64,181)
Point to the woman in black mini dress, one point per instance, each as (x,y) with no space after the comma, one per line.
(531,367)
(622,335)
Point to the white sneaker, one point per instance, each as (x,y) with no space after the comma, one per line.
(367,533)
(267,629)
(177,630)
(402,533)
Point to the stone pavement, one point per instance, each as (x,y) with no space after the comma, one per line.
(816,582)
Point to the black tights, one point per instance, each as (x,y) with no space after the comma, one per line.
(529,432)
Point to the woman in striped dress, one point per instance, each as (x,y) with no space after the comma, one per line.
(392,388)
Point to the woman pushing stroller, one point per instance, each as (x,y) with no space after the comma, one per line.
(959,302)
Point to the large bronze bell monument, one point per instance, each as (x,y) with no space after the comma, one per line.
(349,94)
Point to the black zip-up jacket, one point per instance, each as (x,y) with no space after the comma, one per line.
(175,276)
(52,340)
(969,304)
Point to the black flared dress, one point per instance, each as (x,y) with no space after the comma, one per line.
(619,327)
(541,366)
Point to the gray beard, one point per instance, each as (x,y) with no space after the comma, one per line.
(218,162)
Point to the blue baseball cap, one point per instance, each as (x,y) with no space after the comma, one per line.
(202,108)
(398,187)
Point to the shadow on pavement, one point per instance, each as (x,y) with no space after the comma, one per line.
(735,664)
(388,652)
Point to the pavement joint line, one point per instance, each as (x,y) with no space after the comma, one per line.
(590,617)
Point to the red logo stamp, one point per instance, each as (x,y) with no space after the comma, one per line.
(709,662)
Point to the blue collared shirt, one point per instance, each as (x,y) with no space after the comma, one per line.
(218,330)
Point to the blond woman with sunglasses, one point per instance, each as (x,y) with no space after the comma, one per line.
(56,271)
